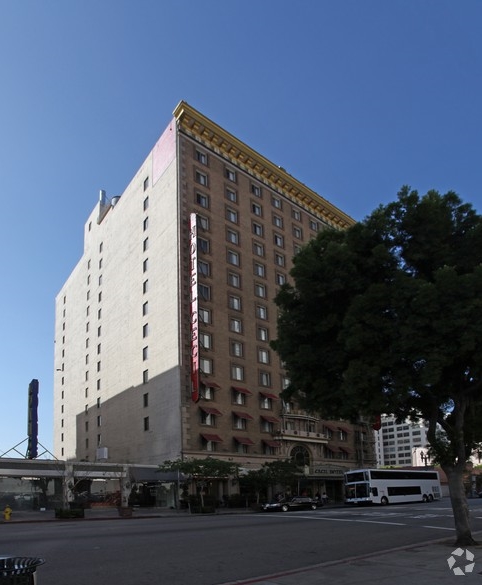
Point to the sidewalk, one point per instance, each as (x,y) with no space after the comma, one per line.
(425,563)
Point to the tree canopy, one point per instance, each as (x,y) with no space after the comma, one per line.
(386,317)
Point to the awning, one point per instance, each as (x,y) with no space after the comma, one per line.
(271,443)
(333,449)
(269,395)
(211,410)
(212,438)
(271,419)
(346,450)
(145,474)
(330,427)
(242,390)
(243,440)
(243,415)
(343,428)
(210,384)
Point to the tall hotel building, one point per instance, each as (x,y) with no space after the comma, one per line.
(163,328)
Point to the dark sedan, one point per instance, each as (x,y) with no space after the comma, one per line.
(295,503)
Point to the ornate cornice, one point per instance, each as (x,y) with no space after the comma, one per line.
(197,126)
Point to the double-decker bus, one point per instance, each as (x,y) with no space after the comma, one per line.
(391,486)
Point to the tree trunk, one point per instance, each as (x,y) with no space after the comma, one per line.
(460,507)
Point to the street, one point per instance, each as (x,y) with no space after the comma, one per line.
(216,549)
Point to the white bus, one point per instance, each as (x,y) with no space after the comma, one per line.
(391,486)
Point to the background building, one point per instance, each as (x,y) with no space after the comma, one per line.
(163,328)
(401,444)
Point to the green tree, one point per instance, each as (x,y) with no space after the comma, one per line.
(201,471)
(283,473)
(386,317)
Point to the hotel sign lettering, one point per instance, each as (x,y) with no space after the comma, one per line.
(194,310)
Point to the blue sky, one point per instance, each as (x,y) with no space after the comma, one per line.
(355,98)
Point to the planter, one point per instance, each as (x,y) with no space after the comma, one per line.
(68,513)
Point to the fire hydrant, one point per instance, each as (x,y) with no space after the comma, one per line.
(7,513)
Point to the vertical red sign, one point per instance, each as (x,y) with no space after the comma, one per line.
(194,310)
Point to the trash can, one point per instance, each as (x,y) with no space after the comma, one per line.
(19,570)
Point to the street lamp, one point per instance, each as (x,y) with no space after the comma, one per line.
(424,457)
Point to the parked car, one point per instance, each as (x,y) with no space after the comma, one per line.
(295,503)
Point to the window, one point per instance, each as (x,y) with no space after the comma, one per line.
(239,397)
(265,379)
(209,445)
(261,312)
(203,245)
(146,423)
(234,302)
(208,418)
(276,202)
(232,236)
(235,325)
(208,393)
(231,175)
(231,215)
(269,449)
(260,290)
(145,309)
(239,422)
(204,316)
(145,286)
(256,209)
(231,195)
(233,258)
(203,268)
(145,376)
(201,178)
(257,229)
(262,334)
(205,339)
(234,280)
(267,426)
(145,205)
(145,224)
(279,259)
(263,356)
(314,225)
(237,373)
(297,232)
(256,190)
(204,292)
(236,348)
(203,222)
(206,365)
(278,221)
(258,249)
(201,157)
(266,403)
(145,330)
(259,269)
(202,200)
(280,278)
(296,214)
(278,240)
(146,183)
(145,353)
(145,265)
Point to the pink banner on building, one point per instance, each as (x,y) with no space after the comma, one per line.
(194,310)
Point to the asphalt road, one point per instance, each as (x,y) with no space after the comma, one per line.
(211,550)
